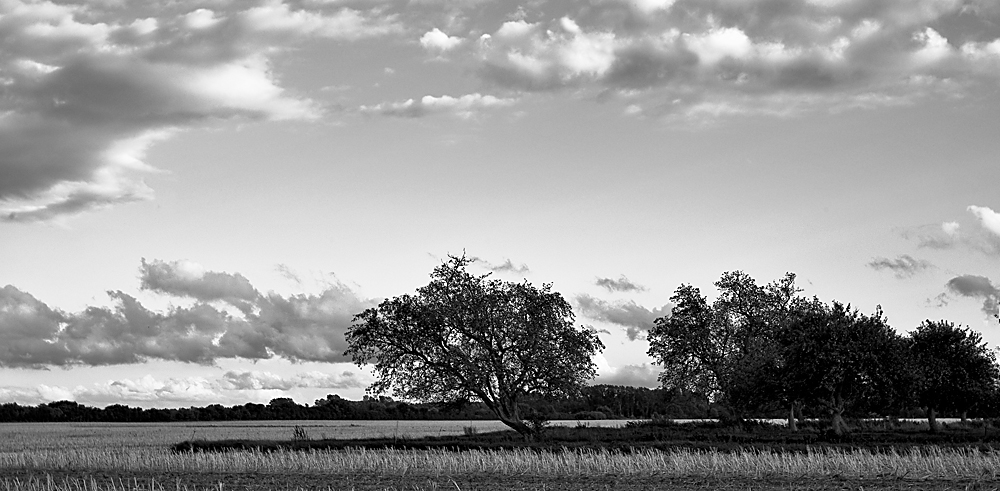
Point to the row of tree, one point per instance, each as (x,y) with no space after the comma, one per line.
(592,402)
(756,348)
(753,351)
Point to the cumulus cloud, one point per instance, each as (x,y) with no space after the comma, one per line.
(301,327)
(622,284)
(642,375)
(233,386)
(903,266)
(750,57)
(464,106)
(189,279)
(989,219)
(256,380)
(86,92)
(436,40)
(977,287)
(635,318)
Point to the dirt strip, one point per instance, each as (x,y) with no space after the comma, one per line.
(371,482)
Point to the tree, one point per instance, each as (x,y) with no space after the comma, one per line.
(464,336)
(953,366)
(840,359)
(726,350)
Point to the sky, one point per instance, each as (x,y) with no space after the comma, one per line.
(196,196)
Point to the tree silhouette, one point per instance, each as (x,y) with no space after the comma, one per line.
(727,350)
(464,337)
(954,368)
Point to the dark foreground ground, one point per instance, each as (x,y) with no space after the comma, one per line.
(875,436)
(359,482)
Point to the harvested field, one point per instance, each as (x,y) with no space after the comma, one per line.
(135,466)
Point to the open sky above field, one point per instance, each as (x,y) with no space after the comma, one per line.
(197,195)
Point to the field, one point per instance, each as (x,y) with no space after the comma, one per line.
(96,457)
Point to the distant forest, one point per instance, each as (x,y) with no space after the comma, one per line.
(594,402)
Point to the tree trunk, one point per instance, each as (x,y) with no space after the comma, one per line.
(837,416)
(519,426)
(792,425)
(508,413)
(932,420)
(837,422)
(965,416)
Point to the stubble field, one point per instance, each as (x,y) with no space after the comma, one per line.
(95,457)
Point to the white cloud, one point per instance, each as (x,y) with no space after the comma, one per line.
(257,380)
(464,106)
(650,6)
(643,375)
(276,16)
(200,19)
(717,44)
(989,219)
(437,40)
(515,29)
(718,59)
(935,47)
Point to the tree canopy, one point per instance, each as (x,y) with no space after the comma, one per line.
(953,368)
(471,337)
(726,349)
(755,349)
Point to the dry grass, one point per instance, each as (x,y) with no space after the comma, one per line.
(929,463)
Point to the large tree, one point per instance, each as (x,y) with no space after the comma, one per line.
(954,368)
(840,359)
(470,337)
(728,349)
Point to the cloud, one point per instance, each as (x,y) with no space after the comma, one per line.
(86,92)
(984,236)
(188,279)
(642,375)
(146,390)
(989,219)
(301,327)
(903,266)
(438,41)
(507,266)
(346,23)
(635,318)
(776,58)
(977,287)
(234,387)
(255,380)
(622,284)
(464,106)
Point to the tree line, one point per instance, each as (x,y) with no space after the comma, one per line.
(592,402)
(758,348)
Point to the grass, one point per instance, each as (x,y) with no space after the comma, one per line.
(725,457)
(930,462)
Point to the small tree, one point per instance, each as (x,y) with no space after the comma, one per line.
(464,336)
(953,366)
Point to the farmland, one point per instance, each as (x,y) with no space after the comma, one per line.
(133,457)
